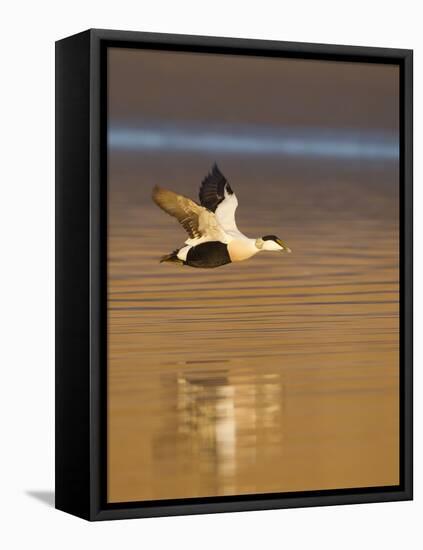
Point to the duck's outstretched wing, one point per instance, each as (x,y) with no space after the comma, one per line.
(197,221)
(217,196)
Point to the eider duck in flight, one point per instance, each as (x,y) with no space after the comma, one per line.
(214,238)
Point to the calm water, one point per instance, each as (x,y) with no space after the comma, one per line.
(276,374)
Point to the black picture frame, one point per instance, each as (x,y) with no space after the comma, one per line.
(81,274)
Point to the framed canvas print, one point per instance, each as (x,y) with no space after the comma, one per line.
(233,274)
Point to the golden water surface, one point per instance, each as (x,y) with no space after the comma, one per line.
(275,374)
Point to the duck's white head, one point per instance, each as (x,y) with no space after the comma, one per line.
(272,243)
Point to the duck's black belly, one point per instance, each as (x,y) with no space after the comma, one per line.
(208,255)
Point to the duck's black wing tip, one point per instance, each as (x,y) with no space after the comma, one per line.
(212,189)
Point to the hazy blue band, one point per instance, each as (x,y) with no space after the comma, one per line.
(336,144)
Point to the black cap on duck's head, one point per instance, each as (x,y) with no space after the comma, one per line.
(272,242)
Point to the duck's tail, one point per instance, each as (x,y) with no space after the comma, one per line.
(172,257)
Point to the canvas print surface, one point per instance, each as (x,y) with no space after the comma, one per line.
(253,275)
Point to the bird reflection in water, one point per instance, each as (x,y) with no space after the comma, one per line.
(219,424)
